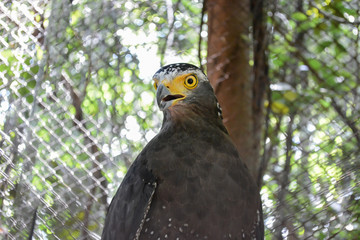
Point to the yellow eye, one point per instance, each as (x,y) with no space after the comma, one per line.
(155,85)
(191,82)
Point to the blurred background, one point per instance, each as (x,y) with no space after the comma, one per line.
(77,105)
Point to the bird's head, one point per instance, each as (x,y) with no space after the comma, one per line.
(184,85)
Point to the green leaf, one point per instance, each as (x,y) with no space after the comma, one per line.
(323,45)
(290,96)
(324,103)
(26,75)
(3,67)
(23,91)
(315,64)
(330,79)
(31,84)
(34,69)
(299,16)
(279,108)
(36,181)
(75,16)
(306,25)
(8,54)
(44,134)
(68,159)
(30,98)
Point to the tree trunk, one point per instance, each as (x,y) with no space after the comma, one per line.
(240,93)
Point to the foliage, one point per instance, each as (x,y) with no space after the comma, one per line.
(312,179)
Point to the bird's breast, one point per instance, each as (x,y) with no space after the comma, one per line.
(200,184)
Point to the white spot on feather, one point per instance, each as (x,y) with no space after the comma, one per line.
(138,231)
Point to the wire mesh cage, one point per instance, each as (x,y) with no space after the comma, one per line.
(76,108)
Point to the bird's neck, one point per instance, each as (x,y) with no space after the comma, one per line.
(186,118)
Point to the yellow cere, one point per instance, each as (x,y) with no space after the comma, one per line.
(180,84)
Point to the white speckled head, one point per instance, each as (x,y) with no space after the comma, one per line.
(173,70)
(202,94)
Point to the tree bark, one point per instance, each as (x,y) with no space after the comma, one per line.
(239,88)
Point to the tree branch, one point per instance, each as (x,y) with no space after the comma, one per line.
(334,17)
(260,74)
(285,178)
(79,116)
(33,223)
(200,38)
(162,52)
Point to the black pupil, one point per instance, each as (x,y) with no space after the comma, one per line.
(190,81)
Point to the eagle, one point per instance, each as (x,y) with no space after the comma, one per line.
(189,181)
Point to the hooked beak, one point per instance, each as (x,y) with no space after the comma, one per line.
(165,98)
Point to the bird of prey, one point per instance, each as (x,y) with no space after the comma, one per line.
(188,182)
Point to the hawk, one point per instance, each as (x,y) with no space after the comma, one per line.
(188,182)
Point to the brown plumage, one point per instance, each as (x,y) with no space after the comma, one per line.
(188,182)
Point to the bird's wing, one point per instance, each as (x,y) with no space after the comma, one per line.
(128,209)
(259,229)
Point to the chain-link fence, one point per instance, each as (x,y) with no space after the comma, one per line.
(77,105)
(312,186)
